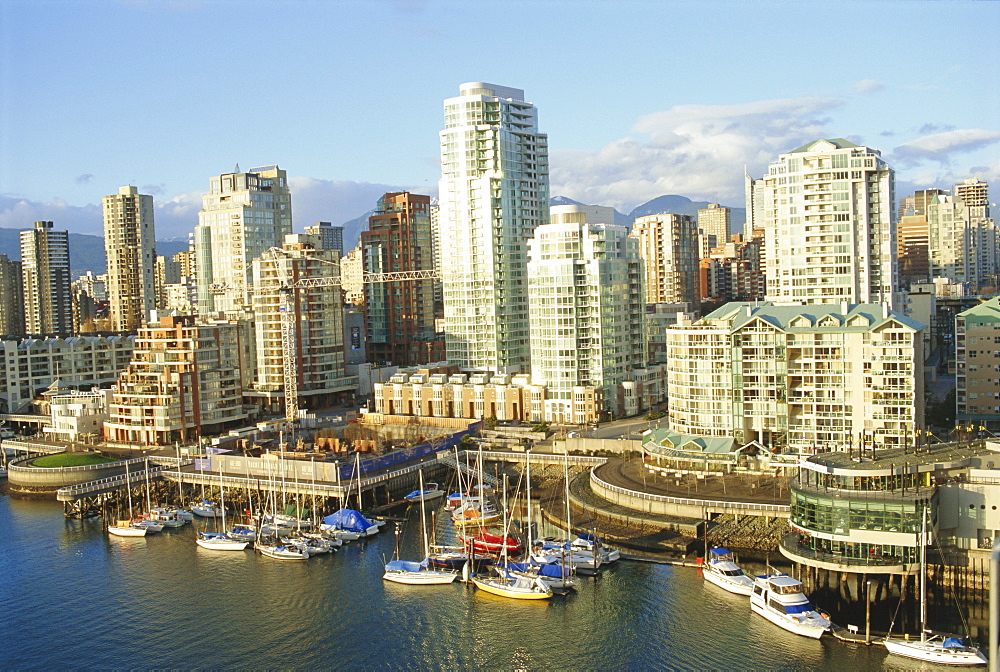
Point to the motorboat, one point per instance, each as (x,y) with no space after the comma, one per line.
(779,599)
(206,509)
(126,528)
(722,570)
(152,526)
(282,552)
(588,543)
(219,541)
(168,517)
(430,492)
(416,573)
(514,586)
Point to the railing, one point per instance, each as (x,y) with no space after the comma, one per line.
(686,501)
(71,492)
(789,544)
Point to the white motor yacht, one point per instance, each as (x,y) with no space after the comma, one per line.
(722,570)
(779,599)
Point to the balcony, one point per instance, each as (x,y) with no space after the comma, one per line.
(872,564)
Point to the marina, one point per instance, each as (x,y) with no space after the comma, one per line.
(108,598)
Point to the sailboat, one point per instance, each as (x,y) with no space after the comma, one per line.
(933,647)
(126,528)
(220,541)
(508,584)
(416,573)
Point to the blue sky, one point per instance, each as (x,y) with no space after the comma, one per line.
(638,99)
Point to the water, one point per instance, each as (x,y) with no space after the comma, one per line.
(73,597)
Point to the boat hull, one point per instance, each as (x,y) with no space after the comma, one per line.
(220,545)
(513,593)
(918,650)
(120,531)
(798,628)
(420,578)
(726,583)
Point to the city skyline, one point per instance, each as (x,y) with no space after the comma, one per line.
(618,135)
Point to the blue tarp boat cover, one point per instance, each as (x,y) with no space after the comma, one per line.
(349,520)
(798,608)
(588,537)
(404,565)
(719,551)
(550,569)
(953,643)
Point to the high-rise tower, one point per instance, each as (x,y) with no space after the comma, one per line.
(830,227)
(48,299)
(129,242)
(242,216)
(400,314)
(11,297)
(494,192)
(586,304)
(668,244)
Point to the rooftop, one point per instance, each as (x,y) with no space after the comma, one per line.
(900,460)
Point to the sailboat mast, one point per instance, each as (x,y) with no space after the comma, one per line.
(569,518)
(527,460)
(222,496)
(923,576)
(128,489)
(423,516)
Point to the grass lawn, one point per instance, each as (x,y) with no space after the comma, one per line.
(70,460)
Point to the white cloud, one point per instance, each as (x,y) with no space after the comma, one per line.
(698,151)
(20,213)
(868,86)
(941,146)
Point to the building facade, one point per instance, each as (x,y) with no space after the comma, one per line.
(714,227)
(830,230)
(130,246)
(317,324)
(400,313)
(494,192)
(799,379)
(184,380)
(977,358)
(586,306)
(11,297)
(330,237)
(668,245)
(48,299)
(242,216)
(80,362)
(732,272)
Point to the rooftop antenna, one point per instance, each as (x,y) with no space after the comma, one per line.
(237,167)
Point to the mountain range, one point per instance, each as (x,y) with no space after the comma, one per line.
(86,252)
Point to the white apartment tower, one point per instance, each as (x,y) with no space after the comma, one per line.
(827,209)
(586,307)
(494,192)
(48,297)
(242,216)
(130,244)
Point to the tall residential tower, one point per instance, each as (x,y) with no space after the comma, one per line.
(129,242)
(242,216)
(494,192)
(827,209)
(48,299)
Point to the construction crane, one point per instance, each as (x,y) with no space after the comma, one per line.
(287,293)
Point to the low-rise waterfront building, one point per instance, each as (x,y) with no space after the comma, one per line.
(799,379)
(77,413)
(31,365)
(862,512)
